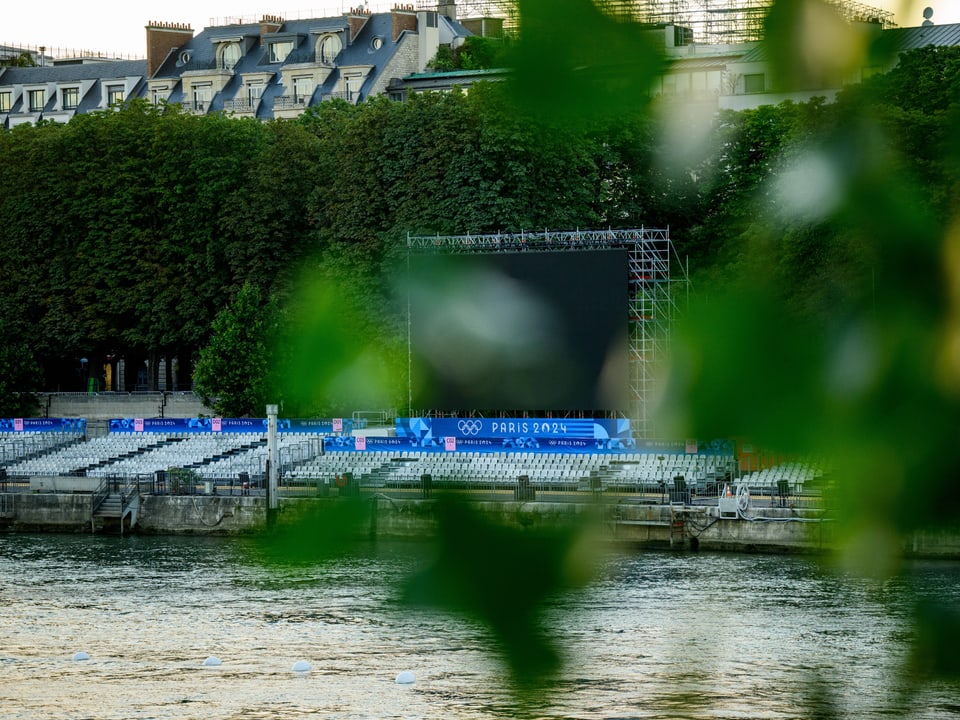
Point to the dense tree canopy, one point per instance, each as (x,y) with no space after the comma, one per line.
(127,232)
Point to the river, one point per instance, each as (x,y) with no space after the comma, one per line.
(657,635)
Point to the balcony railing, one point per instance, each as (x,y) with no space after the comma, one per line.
(241,105)
(194,65)
(351,96)
(291,102)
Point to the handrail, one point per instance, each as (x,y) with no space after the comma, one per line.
(131,485)
(100,494)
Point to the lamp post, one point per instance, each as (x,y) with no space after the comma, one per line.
(272,463)
(663,481)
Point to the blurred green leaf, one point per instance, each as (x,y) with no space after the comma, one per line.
(743,366)
(937,628)
(572,62)
(810,45)
(313,532)
(337,355)
(502,576)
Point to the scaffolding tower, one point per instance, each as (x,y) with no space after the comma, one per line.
(709,21)
(657,292)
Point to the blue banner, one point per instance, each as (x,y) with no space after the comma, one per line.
(680,447)
(397,445)
(526,433)
(73,425)
(229,425)
(326,426)
(360,443)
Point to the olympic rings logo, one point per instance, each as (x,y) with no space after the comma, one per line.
(469,427)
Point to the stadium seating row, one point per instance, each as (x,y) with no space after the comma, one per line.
(302,461)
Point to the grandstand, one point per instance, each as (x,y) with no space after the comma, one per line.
(323,460)
(608,298)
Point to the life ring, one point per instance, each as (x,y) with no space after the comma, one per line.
(341,481)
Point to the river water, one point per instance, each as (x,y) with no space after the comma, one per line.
(657,635)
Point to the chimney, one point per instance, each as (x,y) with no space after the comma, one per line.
(357,18)
(404,18)
(484,26)
(448,8)
(269,24)
(161,39)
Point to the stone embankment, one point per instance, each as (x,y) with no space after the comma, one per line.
(700,527)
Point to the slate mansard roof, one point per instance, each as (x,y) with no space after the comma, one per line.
(375,48)
(91,78)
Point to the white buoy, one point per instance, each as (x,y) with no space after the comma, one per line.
(405,678)
(81,656)
(302,666)
(212,661)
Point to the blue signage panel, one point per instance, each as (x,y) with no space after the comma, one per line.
(478,445)
(517,432)
(73,425)
(228,425)
(359,443)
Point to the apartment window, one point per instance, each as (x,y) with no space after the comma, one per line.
(229,55)
(159,94)
(753,83)
(280,50)
(351,85)
(202,95)
(70,98)
(698,84)
(6,101)
(329,48)
(302,89)
(36,100)
(114,94)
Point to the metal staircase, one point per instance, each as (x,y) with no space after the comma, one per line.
(114,504)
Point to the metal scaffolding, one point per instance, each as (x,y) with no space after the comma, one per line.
(658,289)
(710,21)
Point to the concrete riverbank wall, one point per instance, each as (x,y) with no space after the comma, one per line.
(781,530)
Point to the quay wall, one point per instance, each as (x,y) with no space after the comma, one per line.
(781,530)
(46,512)
(200,514)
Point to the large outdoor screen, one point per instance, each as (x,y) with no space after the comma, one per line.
(519,331)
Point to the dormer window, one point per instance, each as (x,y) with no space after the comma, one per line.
(228,55)
(36,99)
(328,47)
(6,101)
(254,91)
(202,95)
(159,94)
(114,95)
(70,98)
(302,89)
(280,50)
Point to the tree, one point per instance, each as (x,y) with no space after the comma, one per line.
(475,53)
(232,371)
(19,376)
(24,59)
